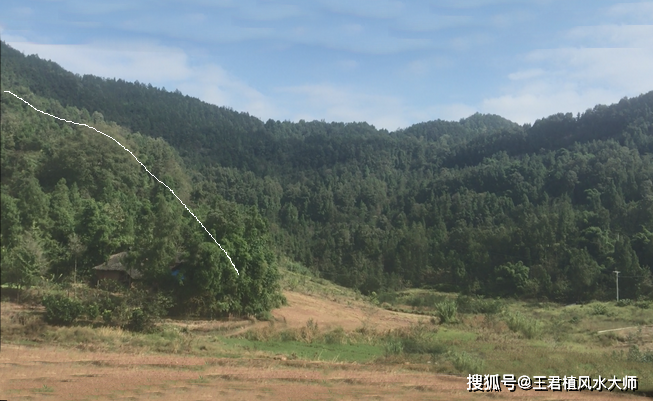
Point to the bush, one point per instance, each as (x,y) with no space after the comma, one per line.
(107,315)
(92,311)
(393,346)
(61,310)
(265,316)
(139,321)
(529,328)
(624,302)
(599,309)
(388,297)
(336,336)
(446,311)
(467,363)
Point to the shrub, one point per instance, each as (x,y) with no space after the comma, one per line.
(446,311)
(393,346)
(335,336)
(139,321)
(265,316)
(107,315)
(388,297)
(467,304)
(61,310)
(599,309)
(624,302)
(92,311)
(529,328)
(467,363)
(309,332)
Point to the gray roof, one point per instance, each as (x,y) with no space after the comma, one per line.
(115,264)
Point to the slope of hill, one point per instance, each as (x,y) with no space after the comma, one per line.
(481,205)
(72,197)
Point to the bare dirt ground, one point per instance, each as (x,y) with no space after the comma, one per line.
(57,373)
(68,374)
(328,313)
(332,313)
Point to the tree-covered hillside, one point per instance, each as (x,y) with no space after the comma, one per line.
(480,205)
(72,197)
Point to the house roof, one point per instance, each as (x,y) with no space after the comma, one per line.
(115,264)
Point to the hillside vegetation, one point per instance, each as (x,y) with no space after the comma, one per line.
(482,205)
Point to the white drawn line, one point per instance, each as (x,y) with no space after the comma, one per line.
(139,162)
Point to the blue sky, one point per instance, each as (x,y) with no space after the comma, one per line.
(390,63)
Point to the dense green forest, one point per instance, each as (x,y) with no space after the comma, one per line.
(72,197)
(482,205)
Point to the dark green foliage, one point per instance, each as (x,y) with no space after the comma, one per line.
(483,205)
(107,316)
(92,311)
(446,311)
(139,321)
(61,310)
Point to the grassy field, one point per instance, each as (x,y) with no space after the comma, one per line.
(419,332)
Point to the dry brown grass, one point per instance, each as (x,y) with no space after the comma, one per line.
(75,375)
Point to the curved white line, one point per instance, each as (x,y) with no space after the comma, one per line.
(139,162)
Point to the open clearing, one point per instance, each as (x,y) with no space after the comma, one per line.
(68,374)
(250,360)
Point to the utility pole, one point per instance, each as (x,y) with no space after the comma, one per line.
(617,275)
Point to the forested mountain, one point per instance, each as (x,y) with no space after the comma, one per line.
(481,205)
(72,197)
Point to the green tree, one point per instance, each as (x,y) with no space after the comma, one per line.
(511,278)
(26,262)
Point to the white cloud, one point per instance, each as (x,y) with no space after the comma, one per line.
(573,79)
(377,9)
(614,35)
(639,12)
(161,66)
(526,74)
(625,70)
(347,65)
(260,11)
(97,8)
(456,111)
(429,22)
(213,84)
(469,41)
(335,103)
(528,107)
(424,66)
(133,61)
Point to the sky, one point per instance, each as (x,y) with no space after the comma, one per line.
(389,63)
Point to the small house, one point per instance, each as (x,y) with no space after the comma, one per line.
(113,269)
